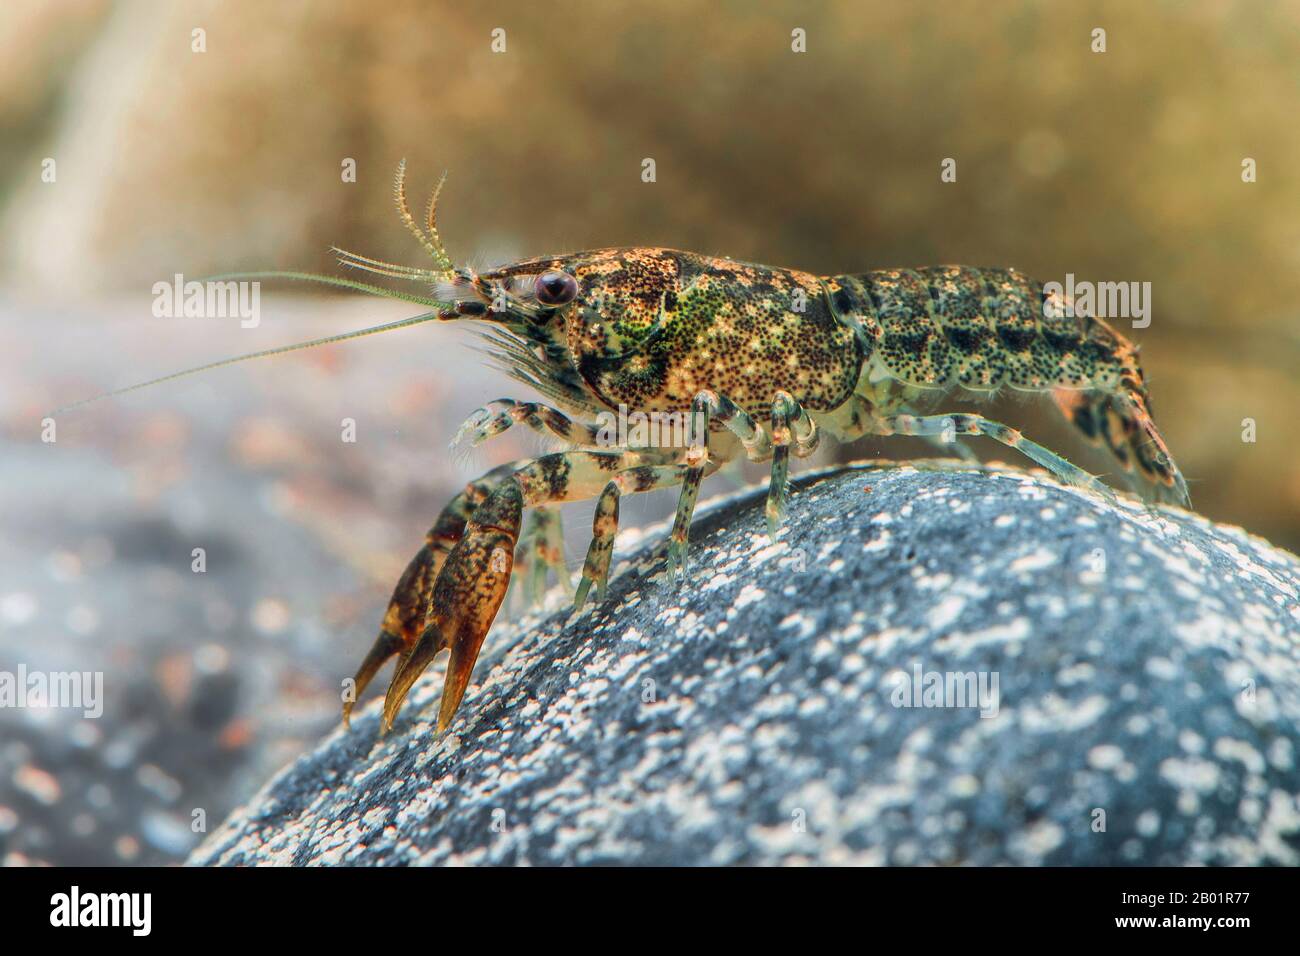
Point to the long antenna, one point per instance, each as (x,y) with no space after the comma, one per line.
(432,243)
(335,281)
(341,337)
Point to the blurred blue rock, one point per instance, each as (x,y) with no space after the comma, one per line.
(930,667)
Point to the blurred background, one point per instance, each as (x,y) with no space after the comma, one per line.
(1123,165)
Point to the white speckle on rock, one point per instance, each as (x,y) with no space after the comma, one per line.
(879,543)
(1055,714)
(1016,630)
(965,785)
(805,625)
(649,731)
(1038,560)
(943,614)
(1036,841)
(749,594)
(1105,756)
(1162,667)
(1225,748)
(1192,773)
(1147,823)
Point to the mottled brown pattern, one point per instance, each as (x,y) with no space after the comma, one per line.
(652,327)
(982,329)
(770,357)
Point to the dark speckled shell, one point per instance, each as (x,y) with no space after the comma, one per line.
(980,328)
(656,326)
(650,328)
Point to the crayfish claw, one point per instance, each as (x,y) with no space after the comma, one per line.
(466,597)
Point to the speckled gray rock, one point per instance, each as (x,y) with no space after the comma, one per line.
(1140,679)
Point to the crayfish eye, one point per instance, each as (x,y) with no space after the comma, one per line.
(555,288)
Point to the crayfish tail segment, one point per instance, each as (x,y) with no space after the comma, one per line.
(1121,422)
(466,597)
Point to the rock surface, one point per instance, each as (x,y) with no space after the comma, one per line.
(1141,678)
(213,681)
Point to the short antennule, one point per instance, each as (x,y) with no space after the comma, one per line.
(429,239)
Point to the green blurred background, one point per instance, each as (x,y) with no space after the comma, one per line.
(1122,165)
(1115,166)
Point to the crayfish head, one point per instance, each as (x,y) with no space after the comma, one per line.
(564,319)
(602,300)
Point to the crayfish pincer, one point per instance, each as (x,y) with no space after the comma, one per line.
(762,361)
